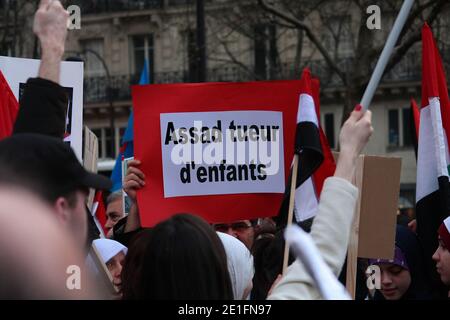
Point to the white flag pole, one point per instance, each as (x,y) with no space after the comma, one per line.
(306,251)
(386,54)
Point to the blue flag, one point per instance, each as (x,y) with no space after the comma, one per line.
(127,149)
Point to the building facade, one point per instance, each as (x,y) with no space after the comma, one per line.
(242,44)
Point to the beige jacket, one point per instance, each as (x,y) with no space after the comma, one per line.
(330,232)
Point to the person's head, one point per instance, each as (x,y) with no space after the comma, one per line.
(395,276)
(113,256)
(49,168)
(36,253)
(134,264)
(240,266)
(442,254)
(244,230)
(184,259)
(404,277)
(114,210)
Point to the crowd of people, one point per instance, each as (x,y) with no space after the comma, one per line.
(44,190)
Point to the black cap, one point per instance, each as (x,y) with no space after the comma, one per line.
(45,163)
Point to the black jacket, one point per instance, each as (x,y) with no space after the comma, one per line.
(43,107)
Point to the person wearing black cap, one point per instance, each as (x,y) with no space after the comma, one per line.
(49,168)
(31,158)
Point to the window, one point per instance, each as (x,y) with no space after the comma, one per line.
(394,134)
(265,51)
(118,137)
(193,60)
(108,138)
(98,133)
(399,128)
(408,129)
(93,48)
(329,129)
(142,50)
(104,143)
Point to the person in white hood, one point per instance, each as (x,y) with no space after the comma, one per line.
(113,255)
(240,266)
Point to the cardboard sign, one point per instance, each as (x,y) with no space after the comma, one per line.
(257,120)
(374,224)
(17,71)
(90,158)
(379,205)
(126,202)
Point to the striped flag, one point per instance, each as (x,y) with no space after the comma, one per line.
(316,162)
(432,192)
(414,125)
(99,213)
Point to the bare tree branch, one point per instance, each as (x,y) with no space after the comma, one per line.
(403,48)
(311,36)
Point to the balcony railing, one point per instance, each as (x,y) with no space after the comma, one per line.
(108,6)
(96,88)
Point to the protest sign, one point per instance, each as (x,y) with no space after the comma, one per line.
(90,158)
(17,71)
(373,229)
(126,202)
(218,150)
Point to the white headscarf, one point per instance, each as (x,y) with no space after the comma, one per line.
(240,264)
(109,248)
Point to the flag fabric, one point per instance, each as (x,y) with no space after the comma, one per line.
(99,212)
(414,125)
(316,162)
(127,149)
(191,100)
(9,108)
(432,193)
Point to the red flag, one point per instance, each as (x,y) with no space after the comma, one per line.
(414,124)
(415,117)
(8,108)
(150,102)
(99,212)
(432,190)
(316,162)
(328,165)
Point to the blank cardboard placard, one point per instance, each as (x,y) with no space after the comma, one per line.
(90,158)
(372,234)
(379,205)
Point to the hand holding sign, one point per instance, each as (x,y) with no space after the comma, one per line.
(134,180)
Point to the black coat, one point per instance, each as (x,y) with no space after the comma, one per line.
(43,108)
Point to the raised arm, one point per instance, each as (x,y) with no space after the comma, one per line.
(50,26)
(331,228)
(43,105)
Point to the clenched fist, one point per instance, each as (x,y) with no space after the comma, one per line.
(50,26)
